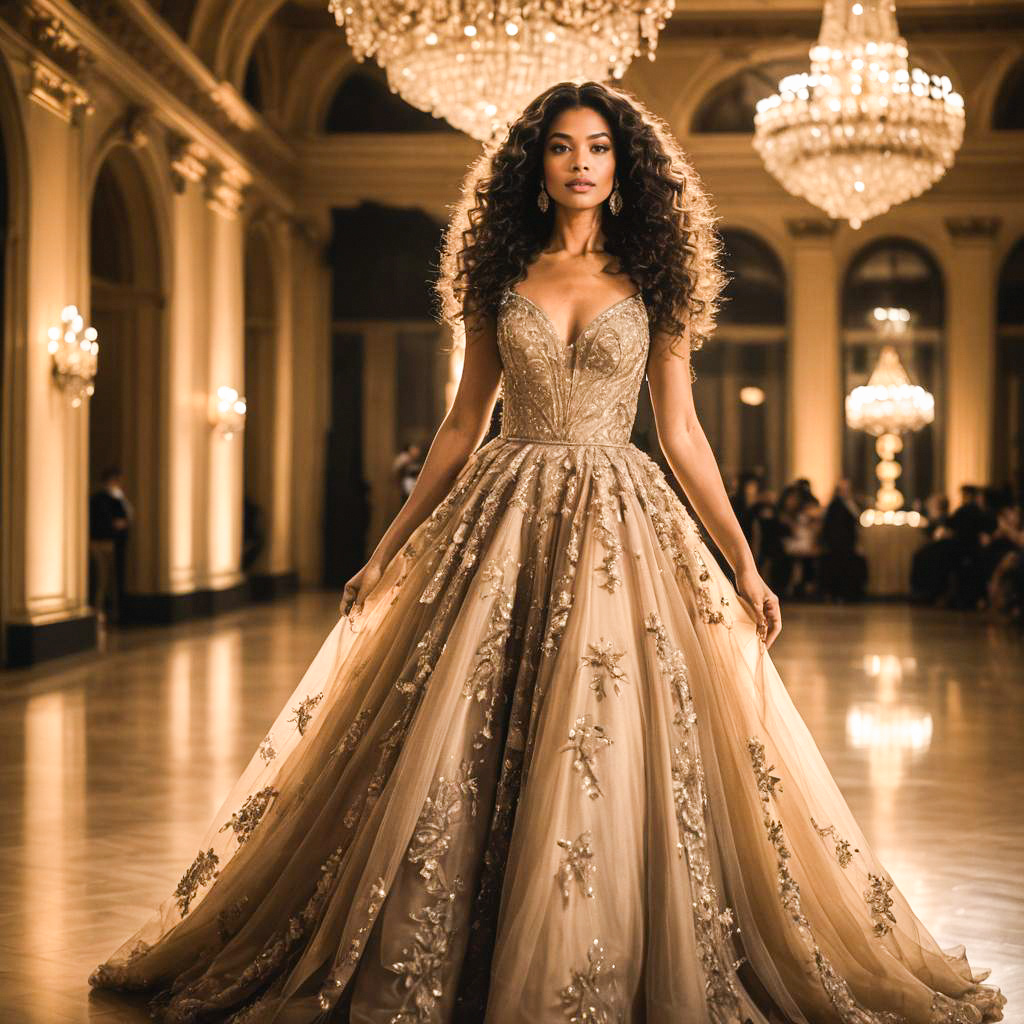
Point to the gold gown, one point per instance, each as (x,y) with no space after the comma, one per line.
(549,774)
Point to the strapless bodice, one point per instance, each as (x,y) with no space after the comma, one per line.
(581,393)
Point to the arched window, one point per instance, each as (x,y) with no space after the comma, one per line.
(730,105)
(1009,439)
(365,103)
(1008,113)
(895,274)
(739,392)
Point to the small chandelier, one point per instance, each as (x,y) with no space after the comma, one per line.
(887,406)
(227,412)
(479,64)
(75,351)
(862,132)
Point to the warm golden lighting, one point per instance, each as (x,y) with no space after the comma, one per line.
(752,396)
(863,131)
(75,351)
(227,412)
(478,70)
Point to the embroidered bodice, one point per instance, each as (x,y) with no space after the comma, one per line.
(581,393)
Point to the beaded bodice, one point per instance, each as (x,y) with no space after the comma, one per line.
(581,393)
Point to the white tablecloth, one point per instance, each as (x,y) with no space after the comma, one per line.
(889,550)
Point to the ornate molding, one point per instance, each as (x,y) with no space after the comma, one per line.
(57,93)
(188,162)
(225,190)
(137,127)
(967,228)
(811,227)
(50,36)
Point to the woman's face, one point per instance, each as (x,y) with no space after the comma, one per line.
(578,148)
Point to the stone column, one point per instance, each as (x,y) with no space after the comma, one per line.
(814,401)
(971,352)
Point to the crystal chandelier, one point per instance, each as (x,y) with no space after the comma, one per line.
(75,351)
(887,406)
(862,132)
(478,64)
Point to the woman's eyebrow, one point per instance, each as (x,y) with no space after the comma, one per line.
(566,135)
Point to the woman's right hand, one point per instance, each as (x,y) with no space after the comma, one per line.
(358,587)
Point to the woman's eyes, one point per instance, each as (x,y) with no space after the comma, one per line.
(598,147)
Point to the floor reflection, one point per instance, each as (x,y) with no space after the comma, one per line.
(112,766)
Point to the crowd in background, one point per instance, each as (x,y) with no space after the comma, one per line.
(972,557)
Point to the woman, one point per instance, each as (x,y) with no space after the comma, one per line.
(543,769)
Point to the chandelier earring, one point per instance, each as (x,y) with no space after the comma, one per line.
(615,200)
(543,200)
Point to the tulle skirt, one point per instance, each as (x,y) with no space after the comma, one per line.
(549,773)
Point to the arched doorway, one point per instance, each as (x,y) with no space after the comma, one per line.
(126,308)
(261,328)
(1009,427)
(896,274)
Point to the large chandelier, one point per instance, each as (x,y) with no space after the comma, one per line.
(478,64)
(862,132)
(886,407)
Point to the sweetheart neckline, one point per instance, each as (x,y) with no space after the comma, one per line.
(594,320)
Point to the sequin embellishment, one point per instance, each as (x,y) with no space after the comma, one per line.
(424,962)
(844,852)
(587,999)
(604,659)
(200,872)
(878,899)
(585,740)
(850,1011)
(244,820)
(577,865)
(304,712)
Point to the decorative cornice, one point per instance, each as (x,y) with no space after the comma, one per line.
(57,93)
(188,162)
(811,227)
(49,34)
(967,228)
(225,190)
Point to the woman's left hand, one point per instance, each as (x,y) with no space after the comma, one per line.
(749,585)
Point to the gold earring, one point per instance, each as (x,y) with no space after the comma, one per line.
(543,201)
(615,200)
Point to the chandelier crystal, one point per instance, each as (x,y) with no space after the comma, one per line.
(863,131)
(479,64)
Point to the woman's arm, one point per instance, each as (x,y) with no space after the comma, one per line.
(694,465)
(456,439)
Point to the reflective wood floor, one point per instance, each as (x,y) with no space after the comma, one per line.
(112,765)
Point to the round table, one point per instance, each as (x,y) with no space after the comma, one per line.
(889,550)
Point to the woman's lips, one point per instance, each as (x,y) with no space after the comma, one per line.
(579,186)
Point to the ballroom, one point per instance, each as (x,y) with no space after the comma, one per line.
(223,366)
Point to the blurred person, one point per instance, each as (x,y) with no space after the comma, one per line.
(844,570)
(110,516)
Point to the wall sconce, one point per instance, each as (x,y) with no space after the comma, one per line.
(75,350)
(227,412)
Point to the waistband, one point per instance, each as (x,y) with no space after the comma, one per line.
(562,444)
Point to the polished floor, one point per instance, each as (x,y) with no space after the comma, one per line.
(112,765)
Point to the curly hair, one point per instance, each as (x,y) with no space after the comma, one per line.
(664,238)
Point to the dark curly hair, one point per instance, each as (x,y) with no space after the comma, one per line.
(664,238)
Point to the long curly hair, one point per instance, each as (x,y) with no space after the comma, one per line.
(664,237)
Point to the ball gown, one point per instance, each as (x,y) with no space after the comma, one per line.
(548,773)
